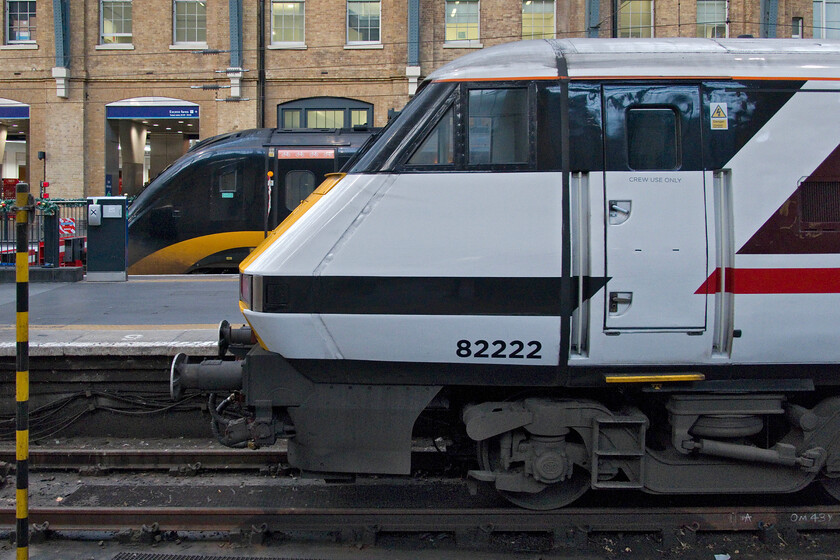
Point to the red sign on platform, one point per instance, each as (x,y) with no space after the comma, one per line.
(66,227)
(9,187)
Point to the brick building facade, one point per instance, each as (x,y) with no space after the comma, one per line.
(95,84)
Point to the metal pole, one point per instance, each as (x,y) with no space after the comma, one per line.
(24,204)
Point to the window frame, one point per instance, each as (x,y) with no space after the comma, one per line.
(532,35)
(468,131)
(293,174)
(447,108)
(185,43)
(102,34)
(821,31)
(332,110)
(300,118)
(458,102)
(706,24)
(234,169)
(368,116)
(301,107)
(630,28)
(302,42)
(446,25)
(347,23)
(31,27)
(797,24)
(677,137)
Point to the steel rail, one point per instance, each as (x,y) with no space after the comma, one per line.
(148,459)
(807,518)
(166,458)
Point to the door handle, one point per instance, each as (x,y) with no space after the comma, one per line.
(619,211)
(620,302)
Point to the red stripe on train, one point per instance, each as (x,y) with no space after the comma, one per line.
(775,281)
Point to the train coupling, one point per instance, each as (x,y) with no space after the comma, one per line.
(209,375)
(236,340)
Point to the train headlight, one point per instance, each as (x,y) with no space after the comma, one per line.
(246,284)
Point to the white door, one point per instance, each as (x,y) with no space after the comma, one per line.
(655,204)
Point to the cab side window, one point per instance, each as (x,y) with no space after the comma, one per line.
(228,181)
(481,126)
(497,126)
(439,147)
(299,185)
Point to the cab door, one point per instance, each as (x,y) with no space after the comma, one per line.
(297,172)
(655,208)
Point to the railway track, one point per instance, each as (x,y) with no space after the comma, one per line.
(359,512)
(566,527)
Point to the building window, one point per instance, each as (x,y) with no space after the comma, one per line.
(20,22)
(461,21)
(635,18)
(291,118)
(325,118)
(324,112)
(116,22)
(796,28)
(826,19)
(537,19)
(711,19)
(363,21)
(287,22)
(359,117)
(190,21)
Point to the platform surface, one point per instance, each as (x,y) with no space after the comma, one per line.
(160,315)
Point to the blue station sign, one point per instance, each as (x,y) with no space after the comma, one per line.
(14,112)
(151,112)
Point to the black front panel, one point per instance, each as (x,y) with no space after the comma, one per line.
(416,296)
(411,296)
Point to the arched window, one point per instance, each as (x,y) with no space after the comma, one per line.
(324,112)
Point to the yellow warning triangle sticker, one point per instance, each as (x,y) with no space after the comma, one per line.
(718,114)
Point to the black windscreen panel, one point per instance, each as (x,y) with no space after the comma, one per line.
(820,204)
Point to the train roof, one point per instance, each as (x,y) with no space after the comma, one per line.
(649,58)
(282,137)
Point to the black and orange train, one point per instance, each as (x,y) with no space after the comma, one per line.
(207,210)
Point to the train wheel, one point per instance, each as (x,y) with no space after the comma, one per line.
(554,495)
(832,486)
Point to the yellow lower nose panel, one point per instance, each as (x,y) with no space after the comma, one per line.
(179,257)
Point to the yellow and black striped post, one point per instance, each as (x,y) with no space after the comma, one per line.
(23,206)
